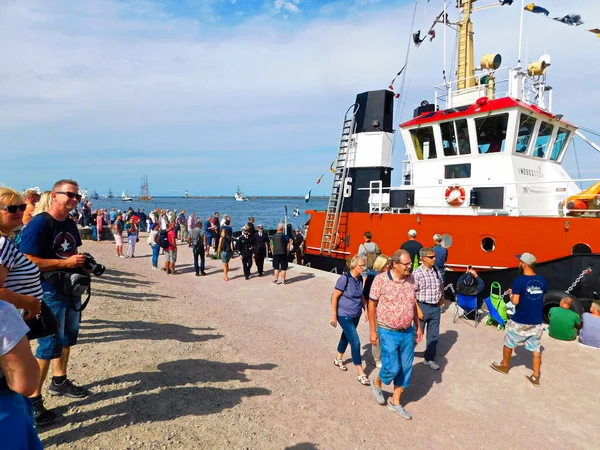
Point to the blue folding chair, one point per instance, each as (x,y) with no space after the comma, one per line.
(466,305)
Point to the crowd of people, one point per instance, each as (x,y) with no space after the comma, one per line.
(403,297)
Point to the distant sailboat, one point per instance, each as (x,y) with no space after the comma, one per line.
(239,196)
(186,194)
(125,197)
(144,192)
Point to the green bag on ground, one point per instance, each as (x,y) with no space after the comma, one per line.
(498,303)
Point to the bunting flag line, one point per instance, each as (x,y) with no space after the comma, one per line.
(441,18)
(307,197)
(506,2)
(331,169)
(536,9)
(570,19)
(596,31)
(391,86)
(320,178)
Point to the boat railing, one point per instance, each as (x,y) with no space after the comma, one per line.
(507,82)
(380,199)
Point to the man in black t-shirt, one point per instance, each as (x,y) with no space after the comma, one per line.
(412,246)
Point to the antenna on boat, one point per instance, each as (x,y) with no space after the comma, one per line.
(519,66)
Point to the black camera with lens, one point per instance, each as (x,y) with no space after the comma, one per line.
(94,267)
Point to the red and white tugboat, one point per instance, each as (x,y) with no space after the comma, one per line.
(483,169)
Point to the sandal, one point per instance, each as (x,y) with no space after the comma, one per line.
(340,364)
(364,380)
(534,380)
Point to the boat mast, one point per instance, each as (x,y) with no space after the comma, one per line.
(466,61)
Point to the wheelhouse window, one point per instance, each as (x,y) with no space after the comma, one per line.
(561,140)
(455,138)
(543,140)
(452,171)
(526,126)
(424,143)
(491,133)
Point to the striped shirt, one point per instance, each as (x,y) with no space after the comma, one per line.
(428,285)
(23,276)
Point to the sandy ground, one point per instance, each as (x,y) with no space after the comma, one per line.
(189,362)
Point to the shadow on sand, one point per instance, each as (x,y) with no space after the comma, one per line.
(158,396)
(96,331)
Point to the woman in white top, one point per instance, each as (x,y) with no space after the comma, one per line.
(19,277)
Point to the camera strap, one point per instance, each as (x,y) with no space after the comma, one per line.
(83,304)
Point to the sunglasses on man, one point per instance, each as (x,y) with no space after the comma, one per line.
(14,208)
(71,195)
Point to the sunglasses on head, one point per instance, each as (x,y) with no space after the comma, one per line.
(13,208)
(71,195)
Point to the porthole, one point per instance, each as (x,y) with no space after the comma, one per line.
(446,241)
(581,249)
(488,244)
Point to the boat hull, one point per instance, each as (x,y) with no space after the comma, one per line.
(551,240)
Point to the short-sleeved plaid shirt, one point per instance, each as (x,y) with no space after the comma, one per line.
(428,285)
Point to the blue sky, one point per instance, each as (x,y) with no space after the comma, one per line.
(204,95)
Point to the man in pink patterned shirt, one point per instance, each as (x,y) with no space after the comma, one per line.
(392,300)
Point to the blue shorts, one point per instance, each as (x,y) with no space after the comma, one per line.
(522,334)
(225,257)
(209,239)
(68,324)
(16,422)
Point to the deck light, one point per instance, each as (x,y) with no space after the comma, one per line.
(491,61)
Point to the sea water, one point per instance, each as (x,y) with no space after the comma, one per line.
(266,211)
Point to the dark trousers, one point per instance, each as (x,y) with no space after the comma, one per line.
(260,263)
(199,252)
(431,324)
(298,257)
(247,264)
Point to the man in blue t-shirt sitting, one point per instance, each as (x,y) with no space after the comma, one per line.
(525,327)
(50,241)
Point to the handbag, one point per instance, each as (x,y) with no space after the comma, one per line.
(42,325)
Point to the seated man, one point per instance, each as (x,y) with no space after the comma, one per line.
(469,283)
(590,331)
(564,323)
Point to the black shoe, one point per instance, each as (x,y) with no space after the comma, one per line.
(203,273)
(260,274)
(42,415)
(68,389)
(247,278)
(197,274)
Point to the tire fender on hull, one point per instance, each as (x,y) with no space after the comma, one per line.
(552,299)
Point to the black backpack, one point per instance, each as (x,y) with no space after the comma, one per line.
(163,239)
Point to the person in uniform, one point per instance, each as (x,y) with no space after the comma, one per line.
(246,243)
(261,242)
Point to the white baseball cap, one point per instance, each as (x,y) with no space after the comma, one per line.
(412,233)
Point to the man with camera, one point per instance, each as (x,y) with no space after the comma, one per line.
(50,241)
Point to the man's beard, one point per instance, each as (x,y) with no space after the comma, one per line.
(520,270)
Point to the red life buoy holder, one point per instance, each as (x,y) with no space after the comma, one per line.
(455,195)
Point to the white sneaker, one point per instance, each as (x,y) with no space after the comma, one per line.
(432,364)
(121,256)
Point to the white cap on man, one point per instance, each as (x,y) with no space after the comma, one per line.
(527,258)
(412,233)
(437,237)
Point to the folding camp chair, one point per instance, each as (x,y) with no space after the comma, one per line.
(466,305)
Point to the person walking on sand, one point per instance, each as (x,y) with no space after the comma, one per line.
(153,242)
(280,246)
(171,249)
(525,326)
(392,312)
(381,264)
(132,235)
(429,289)
(118,235)
(412,246)
(246,247)
(261,244)
(99,223)
(197,240)
(225,247)
(347,304)
(370,251)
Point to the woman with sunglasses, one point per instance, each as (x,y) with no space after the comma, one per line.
(380,265)
(19,277)
(347,303)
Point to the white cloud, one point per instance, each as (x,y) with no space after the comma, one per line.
(284,5)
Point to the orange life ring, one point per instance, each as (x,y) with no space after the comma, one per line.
(455,195)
